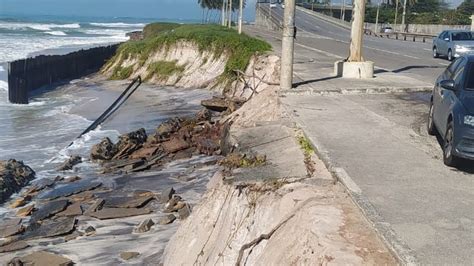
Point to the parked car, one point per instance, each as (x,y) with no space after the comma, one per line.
(273,5)
(453,43)
(387,29)
(283,5)
(452,110)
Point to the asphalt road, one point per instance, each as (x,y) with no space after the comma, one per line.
(405,57)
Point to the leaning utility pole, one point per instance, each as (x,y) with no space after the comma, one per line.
(357,31)
(403,15)
(241,12)
(286,76)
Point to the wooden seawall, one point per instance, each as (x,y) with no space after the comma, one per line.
(27,75)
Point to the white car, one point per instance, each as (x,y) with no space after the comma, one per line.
(273,5)
(283,5)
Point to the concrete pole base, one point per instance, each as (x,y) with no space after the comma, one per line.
(355,70)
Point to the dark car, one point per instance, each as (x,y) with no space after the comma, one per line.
(452,110)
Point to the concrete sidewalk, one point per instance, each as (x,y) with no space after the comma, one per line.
(314,70)
(373,139)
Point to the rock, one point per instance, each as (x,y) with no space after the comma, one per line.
(167,219)
(49,209)
(14,175)
(184,212)
(220,104)
(105,150)
(112,213)
(144,226)
(17,245)
(71,179)
(20,202)
(204,115)
(50,228)
(74,209)
(97,205)
(144,153)
(128,202)
(43,258)
(70,163)
(11,230)
(168,127)
(25,211)
(15,262)
(130,142)
(73,236)
(174,145)
(128,255)
(167,195)
(90,230)
(10,222)
(70,189)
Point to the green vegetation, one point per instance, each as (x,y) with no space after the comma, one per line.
(305,146)
(154,29)
(122,72)
(422,12)
(164,69)
(212,38)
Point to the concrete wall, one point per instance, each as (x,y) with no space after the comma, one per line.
(27,75)
(263,19)
(421,28)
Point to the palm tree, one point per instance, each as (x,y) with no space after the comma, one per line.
(219,5)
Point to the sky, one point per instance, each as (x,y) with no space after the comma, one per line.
(164,9)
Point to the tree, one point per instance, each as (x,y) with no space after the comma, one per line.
(466,7)
(428,6)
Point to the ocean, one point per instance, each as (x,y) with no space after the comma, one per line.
(38,133)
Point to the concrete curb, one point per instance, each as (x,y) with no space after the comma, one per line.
(352,91)
(404,254)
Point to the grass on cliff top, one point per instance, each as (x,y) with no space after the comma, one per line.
(154,29)
(213,38)
(164,69)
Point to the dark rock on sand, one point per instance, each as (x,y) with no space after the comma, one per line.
(204,115)
(112,213)
(135,201)
(105,150)
(49,209)
(128,255)
(167,219)
(97,205)
(130,142)
(11,230)
(73,210)
(13,246)
(50,228)
(20,202)
(70,163)
(45,258)
(144,226)
(25,211)
(70,189)
(184,212)
(90,230)
(166,195)
(13,176)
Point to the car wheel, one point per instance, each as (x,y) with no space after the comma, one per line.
(435,52)
(450,55)
(431,126)
(448,157)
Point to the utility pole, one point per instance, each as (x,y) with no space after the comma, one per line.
(357,31)
(343,10)
(230,13)
(288,43)
(396,15)
(403,15)
(241,12)
(223,12)
(377,18)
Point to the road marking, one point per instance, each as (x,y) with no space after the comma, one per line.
(443,64)
(390,52)
(427,49)
(319,51)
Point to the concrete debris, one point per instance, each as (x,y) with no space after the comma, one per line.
(43,258)
(170,218)
(113,213)
(128,255)
(70,163)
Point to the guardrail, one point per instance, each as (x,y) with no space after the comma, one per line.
(405,36)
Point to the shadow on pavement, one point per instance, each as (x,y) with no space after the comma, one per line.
(414,67)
